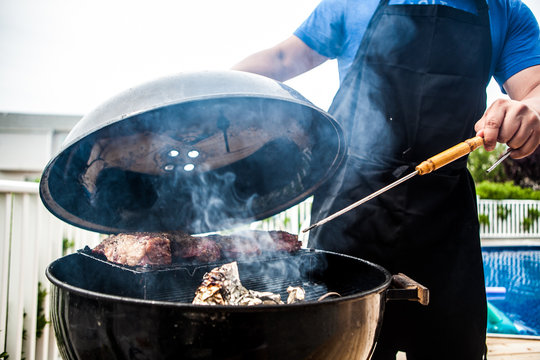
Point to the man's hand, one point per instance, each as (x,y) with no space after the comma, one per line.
(515,122)
(511,122)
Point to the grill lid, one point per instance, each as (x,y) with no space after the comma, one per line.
(195,152)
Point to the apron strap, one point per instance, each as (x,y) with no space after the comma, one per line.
(481,5)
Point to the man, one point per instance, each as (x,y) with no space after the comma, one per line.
(413,78)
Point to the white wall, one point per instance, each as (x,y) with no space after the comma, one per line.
(29,141)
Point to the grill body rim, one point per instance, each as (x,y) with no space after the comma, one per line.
(93,325)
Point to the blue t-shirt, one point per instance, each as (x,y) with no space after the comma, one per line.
(336,27)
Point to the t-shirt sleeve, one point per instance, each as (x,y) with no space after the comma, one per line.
(522,43)
(323,29)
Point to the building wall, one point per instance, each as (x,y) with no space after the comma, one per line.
(29,141)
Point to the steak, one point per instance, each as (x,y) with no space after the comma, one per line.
(237,246)
(284,241)
(139,249)
(136,249)
(254,242)
(190,247)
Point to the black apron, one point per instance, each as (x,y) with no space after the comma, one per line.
(416,87)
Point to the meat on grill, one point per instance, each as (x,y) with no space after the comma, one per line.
(284,241)
(137,249)
(189,247)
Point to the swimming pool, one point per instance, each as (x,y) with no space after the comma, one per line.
(512,276)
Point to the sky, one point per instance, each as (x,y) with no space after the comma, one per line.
(69,56)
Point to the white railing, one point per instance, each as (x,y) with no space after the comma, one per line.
(31,238)
(509,219)
(499,219)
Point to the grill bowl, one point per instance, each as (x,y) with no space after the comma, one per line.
(104,311)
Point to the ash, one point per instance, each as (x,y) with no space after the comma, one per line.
(222,286)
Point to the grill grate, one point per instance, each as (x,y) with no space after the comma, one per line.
(314,290)
(178,282)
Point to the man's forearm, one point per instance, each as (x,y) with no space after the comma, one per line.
(266,62)
(532,99)
(282,62)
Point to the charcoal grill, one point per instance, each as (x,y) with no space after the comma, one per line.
(108,311)
(202,152)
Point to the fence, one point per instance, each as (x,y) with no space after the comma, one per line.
(509,219)
(31,238)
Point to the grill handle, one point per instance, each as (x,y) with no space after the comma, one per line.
(405,288)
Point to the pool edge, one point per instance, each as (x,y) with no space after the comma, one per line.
(509,242)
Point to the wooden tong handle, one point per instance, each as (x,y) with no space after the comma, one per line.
(447,156)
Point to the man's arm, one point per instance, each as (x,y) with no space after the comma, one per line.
(515,121)
(283,61)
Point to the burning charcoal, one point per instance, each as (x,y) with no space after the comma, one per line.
(253,297)
(296,294)
(136,249)
(222,286)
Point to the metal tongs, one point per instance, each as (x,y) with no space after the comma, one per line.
(427,166)
(501,159)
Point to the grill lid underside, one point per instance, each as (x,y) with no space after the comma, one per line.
(195,152)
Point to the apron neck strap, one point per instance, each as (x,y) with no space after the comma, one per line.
(481,5)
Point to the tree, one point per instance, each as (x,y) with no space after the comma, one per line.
(480,160)
(525,172)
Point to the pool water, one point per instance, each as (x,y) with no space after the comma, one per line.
(512,276)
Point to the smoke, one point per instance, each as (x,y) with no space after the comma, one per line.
(214,163)
(197,167)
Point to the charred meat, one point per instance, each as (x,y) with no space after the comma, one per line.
(139,249)
(200,249)
(255,242)
(136,249)
(237,246)
(284,241)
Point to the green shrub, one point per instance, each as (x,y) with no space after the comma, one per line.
(533,214)
(483,219)
(530,219)
(527,223)
(41,320)
(67,245)
(507,190)
(503,212)
(480,160)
